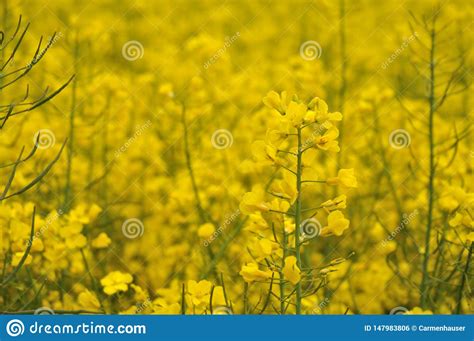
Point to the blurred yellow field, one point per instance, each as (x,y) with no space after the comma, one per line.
(236,157)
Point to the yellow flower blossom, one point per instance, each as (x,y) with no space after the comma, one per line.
(286,188)
(337,224)
(262,248)
(265,153)
(116,281)
(206,230)
(218,297)
(451,198)
(291,270)
(419,311)
(345,178)
(199,292)
(338,202)
(254,201)
(295,113)
(251,273)
(275,101)
(102,241)
(328,140)
(88,300)
(77,241)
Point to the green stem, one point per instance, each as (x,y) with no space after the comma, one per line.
(464,275)
(95,286)
(70,147)
(343,75)
(246,298)
(187,153)
(183,300)
(282,278)
(424,282)
(298,221)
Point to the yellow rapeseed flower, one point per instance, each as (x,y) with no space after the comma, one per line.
(116,281)
(345,178)
(102,241)
(291,270)
(250,272)
(206,230)
(337,224)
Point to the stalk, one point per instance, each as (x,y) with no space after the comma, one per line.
(463,280)
(70,147)
(189,165)
(93,280)
(246,298)
(298,220)
(424,282)
(105,161)
(282,277)
(343,57)
(343,75)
